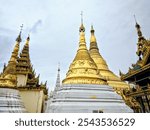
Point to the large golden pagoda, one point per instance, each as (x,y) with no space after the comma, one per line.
(83,69)
(111,78)
(85,90)
(8,77)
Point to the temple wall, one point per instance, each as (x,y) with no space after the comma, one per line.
(33,100)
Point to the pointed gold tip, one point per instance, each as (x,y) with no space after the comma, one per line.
(92,29)
(93,38)
(138,28)
(136,23)
(18,39)
(28,38)
(82,28)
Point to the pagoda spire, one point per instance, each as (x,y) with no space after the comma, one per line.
(8,77)
(18,39)
(138,28)
(142,46)
(94,52)
(83,69)
(102,66)
(24,58)
(93,42)
(25,68)
(27,40)
(14,55)
(82,41)
(58,77)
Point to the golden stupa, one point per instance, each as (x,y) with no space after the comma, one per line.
(111,78)
(8,77)
(83,69)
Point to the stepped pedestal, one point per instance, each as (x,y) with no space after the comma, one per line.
(10,101)
(86,98)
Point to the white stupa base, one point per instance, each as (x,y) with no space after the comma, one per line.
(10,101)
(85,98)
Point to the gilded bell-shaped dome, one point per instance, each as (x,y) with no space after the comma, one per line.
(83,69)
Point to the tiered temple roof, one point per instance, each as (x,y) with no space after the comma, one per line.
(25,67)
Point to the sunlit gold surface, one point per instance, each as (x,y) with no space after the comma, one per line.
(111,78)
(8,77)
(83,69)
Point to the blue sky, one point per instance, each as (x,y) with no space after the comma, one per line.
(54,29)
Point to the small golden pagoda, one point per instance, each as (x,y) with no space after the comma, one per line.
(8,77)
(83,69)
(111,78)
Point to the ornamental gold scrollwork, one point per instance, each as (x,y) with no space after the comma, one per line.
(91,63)
(81,62)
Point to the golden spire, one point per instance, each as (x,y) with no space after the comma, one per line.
(18,39)
(94,52)
(83,70)
(27,41)
(24,64)
(93,38)
(142,46)
(8,78)
(14,56)
(138,27)
(82,30)
(102,66)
